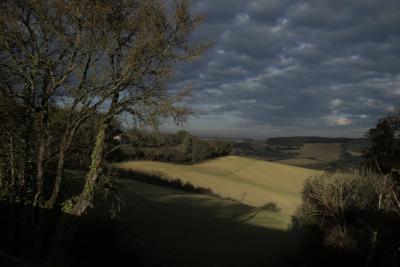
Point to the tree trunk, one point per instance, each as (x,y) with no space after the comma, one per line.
(40,173)
(49,204)
(85,199)
(374,240)
(12,166)
(66,143)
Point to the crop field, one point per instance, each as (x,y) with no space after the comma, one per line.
(307,152)
(299,161)
(320,151)
(252,182)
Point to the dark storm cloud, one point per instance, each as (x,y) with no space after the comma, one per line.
(331,66)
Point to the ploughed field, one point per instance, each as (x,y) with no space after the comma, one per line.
(271,189)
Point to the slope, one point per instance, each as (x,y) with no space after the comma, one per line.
(249,181)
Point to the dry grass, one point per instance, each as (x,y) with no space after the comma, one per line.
(250,181)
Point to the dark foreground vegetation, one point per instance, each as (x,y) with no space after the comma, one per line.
(352,218)
(36,238)
(355,214)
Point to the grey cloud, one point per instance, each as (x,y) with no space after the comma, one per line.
(282,63)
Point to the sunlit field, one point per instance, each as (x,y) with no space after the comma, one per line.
(249,181)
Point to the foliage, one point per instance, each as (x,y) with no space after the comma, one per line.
(383,154)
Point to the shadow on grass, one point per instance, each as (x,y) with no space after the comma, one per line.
(160,226)
(197,230)
(160,180)
(179,226)
(166,226)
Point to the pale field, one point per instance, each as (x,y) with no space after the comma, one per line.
(249,181)
(298,161)
(320,151)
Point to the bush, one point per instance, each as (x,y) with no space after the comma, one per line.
(356,212)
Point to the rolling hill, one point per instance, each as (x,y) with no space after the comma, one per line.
(252,182)
(180,228)
(186,229)
(308,152)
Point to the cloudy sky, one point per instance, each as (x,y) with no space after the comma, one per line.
(291,67)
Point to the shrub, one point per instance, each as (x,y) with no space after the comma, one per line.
(356,212)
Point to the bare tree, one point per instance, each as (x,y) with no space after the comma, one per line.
(43,59)
(143,43)
(91,57)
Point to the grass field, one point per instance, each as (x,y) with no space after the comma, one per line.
(248,181)
(187,229)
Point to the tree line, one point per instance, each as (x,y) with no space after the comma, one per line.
(181,147)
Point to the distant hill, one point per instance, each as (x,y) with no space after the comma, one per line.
(300,140)
(322,153)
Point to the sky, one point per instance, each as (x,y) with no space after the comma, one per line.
(293,68)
